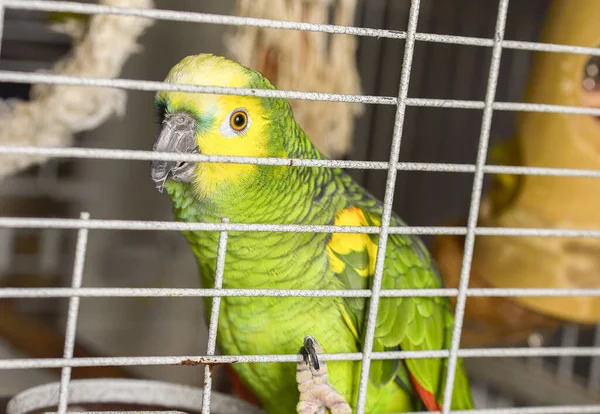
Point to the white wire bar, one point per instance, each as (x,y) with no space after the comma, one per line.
(388,201)
(524,352)
(139,155)
(73,313)
(548,47)
(566,365)
(1,25)
(97,224)
(565,409)
(133,84)
(33,293)
(214,319)
(465,273)
(192,17)
(594,375)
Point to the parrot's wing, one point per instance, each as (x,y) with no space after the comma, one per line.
(410,324)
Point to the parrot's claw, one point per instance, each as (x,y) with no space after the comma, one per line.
(316,393)
(309,352)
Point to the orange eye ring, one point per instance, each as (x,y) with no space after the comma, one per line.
(238,120)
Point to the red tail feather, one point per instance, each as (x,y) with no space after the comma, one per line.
(427,397)
(240,390)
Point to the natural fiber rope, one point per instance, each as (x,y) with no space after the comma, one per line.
(55,113)
(307,61)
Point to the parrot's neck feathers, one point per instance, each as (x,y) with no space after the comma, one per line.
(278,194)
(302,147)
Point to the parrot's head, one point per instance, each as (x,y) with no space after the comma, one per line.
(212,124)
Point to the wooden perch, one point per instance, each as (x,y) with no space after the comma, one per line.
(36,339)
(488,320)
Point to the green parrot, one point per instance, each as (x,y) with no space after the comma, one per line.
(207,192)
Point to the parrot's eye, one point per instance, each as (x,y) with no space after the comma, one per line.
(238,120)
(237,123)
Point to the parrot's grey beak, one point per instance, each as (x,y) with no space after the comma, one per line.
(176,134)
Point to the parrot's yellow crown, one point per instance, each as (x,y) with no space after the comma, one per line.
(210,70)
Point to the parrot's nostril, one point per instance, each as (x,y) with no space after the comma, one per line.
(176,135)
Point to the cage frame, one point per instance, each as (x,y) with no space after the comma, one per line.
(84,224)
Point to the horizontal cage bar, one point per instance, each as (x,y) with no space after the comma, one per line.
(31,293)
(96,224)
(193,17)
(141,85)
(139,155)
(35,363)
(563,409)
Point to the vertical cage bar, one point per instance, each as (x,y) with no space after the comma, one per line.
(484,137)
(65,378)
(594,375)
(387,205)
(1,24)
(214,319)
(535,340)
(566,364)
(6,248)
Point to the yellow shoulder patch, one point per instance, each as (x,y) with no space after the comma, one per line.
(342,244)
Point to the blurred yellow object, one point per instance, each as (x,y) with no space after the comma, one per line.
(489,321)
(504,187)
(553,140)
(62,16)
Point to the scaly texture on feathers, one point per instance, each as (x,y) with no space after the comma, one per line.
(261,260)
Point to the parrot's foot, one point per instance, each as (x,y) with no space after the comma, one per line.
(316,393)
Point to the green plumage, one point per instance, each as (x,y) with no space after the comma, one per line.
(277,325)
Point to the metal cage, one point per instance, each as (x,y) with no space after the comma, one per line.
(434,75)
